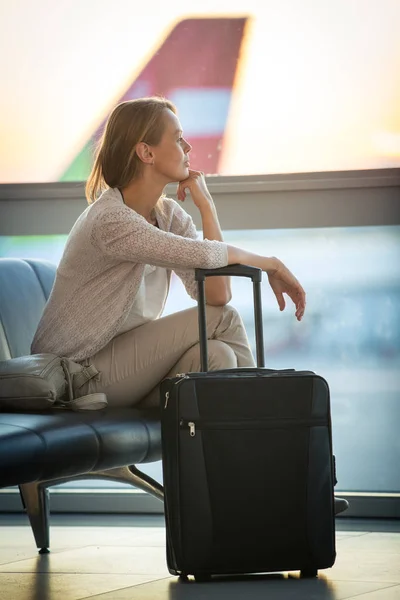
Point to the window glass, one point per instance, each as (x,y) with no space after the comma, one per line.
(44,247)
(261,87)
(350,334)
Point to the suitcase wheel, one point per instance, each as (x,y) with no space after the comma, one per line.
(201,577)
(309,572)
(183,577)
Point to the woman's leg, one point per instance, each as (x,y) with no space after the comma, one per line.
(220,356)
(132,364)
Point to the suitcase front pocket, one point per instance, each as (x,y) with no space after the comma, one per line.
(243,496)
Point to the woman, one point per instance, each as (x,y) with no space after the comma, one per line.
(113,278)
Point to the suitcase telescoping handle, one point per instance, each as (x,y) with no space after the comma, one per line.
(255,275)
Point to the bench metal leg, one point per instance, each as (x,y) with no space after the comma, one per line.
(35,499)
(130,474)
(35,496)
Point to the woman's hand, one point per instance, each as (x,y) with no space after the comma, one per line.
(282,281)
(196,184)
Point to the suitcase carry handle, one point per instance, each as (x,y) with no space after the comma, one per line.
(230,270)
(234,271)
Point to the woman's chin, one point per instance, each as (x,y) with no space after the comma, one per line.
(183,174)
(179,175)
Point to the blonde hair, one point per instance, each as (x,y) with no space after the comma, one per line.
(116,163)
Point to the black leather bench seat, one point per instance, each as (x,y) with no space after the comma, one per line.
(60,443)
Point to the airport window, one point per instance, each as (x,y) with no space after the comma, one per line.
(261,87)
(350,335)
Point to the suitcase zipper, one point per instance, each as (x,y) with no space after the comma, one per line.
(166,399)
(247,424)
(231,372)
(181,376)
(242,371)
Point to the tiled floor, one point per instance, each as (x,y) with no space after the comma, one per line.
(123,558)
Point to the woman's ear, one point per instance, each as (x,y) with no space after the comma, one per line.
(144,153)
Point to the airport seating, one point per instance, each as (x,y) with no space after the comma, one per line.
(42,449)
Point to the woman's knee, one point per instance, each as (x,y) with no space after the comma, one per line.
(220,356)
(227,315)
(232,313)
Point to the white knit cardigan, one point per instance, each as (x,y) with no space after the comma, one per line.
(102,266)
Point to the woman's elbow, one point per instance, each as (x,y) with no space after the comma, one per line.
(219,300)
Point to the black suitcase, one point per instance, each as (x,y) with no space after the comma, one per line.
(247,464)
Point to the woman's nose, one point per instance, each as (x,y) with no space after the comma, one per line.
(188,147)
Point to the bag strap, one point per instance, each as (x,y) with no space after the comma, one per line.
(78,378)
(82,377)
(89,402)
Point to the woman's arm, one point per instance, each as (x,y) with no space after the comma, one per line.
(218,289)
(281,280)
(123,235)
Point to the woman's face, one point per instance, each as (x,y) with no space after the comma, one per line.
(171,155)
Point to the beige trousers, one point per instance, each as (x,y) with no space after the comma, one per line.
(133,364)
